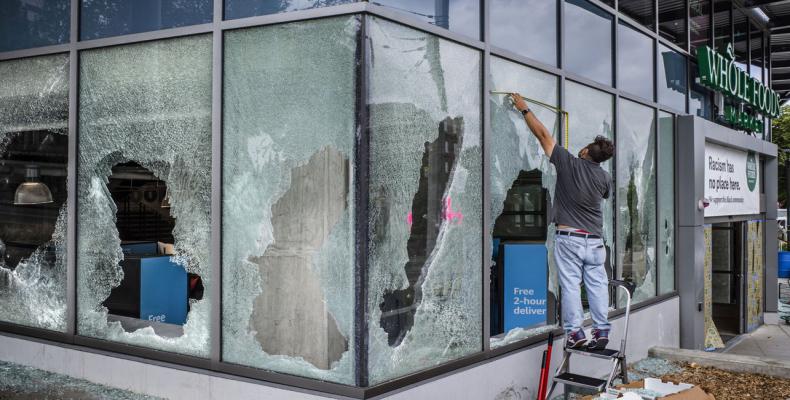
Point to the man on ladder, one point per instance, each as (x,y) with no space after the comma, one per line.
(579,250)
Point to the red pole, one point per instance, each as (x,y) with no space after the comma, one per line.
(544,369)
(543,375)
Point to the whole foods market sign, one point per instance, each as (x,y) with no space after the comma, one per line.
(719,72)
(732,181)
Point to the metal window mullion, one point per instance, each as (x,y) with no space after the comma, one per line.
(656,19)
(487,239)
(361,211)
(654,65)
(71,173)
(215,350)
(657,204)
(615,54)
(614,255)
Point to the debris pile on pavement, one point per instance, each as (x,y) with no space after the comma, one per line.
(725,385)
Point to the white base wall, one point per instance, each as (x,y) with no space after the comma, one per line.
(516,376)
(511,377)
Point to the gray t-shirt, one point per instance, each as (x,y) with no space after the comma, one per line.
(581,187)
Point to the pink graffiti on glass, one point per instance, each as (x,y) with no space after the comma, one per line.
(448,214)
(451,215)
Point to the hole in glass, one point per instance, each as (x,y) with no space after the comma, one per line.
(430,208)
(155,290)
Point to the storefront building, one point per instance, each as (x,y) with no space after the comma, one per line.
(313,199)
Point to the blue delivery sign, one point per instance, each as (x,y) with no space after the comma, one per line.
(525,288)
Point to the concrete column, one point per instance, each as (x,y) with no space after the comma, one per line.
(770,183)
(690,250)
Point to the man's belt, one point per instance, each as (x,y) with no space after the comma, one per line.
(578,234)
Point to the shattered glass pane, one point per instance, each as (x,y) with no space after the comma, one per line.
(33,160)
(288,227)
(424,304)
(666,199)
(250,8)
(636,198)
(149,104)
(515,151)
(591,113)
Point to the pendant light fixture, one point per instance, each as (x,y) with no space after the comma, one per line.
(31,191)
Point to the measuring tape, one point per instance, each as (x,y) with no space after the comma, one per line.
(548,106)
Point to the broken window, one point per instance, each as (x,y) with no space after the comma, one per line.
(145,124)
(33,160)
(636,198)
(523,288)
(591,113)
(424,292)
(288,206)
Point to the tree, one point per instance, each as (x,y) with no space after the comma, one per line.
(781,137)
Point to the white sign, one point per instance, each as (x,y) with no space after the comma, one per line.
(732,181)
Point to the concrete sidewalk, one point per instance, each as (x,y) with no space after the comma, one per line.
(764,351)
(768,341)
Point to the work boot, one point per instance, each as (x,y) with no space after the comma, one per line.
(575,339)
(600,338)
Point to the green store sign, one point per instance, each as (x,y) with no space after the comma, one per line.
(720,73)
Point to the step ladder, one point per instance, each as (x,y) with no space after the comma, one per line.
(616,358)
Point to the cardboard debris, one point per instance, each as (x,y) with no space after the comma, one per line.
(655,389)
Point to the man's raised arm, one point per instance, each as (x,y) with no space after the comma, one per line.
(544,136)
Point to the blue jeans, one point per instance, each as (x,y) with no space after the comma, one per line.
(579,259)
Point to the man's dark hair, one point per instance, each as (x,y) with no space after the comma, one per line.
(601,149)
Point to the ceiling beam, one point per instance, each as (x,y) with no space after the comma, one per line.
(779,22)
(758,3)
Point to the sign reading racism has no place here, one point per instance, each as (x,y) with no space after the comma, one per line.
(732,181)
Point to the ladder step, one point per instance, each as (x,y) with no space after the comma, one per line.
(606,354)
(581,381)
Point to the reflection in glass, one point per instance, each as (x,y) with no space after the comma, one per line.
(722,30)
(636,197)
(33,160)
(462,16)
(699,23)
(424,282)
(288,204)
(521,183)
(672,21)
(642,11)
(103,18)
(250,8)
(33,23)
(672,84)
(588,41)
(666,202)
(145,136)
(634,62)
(700,98)
(526,27)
